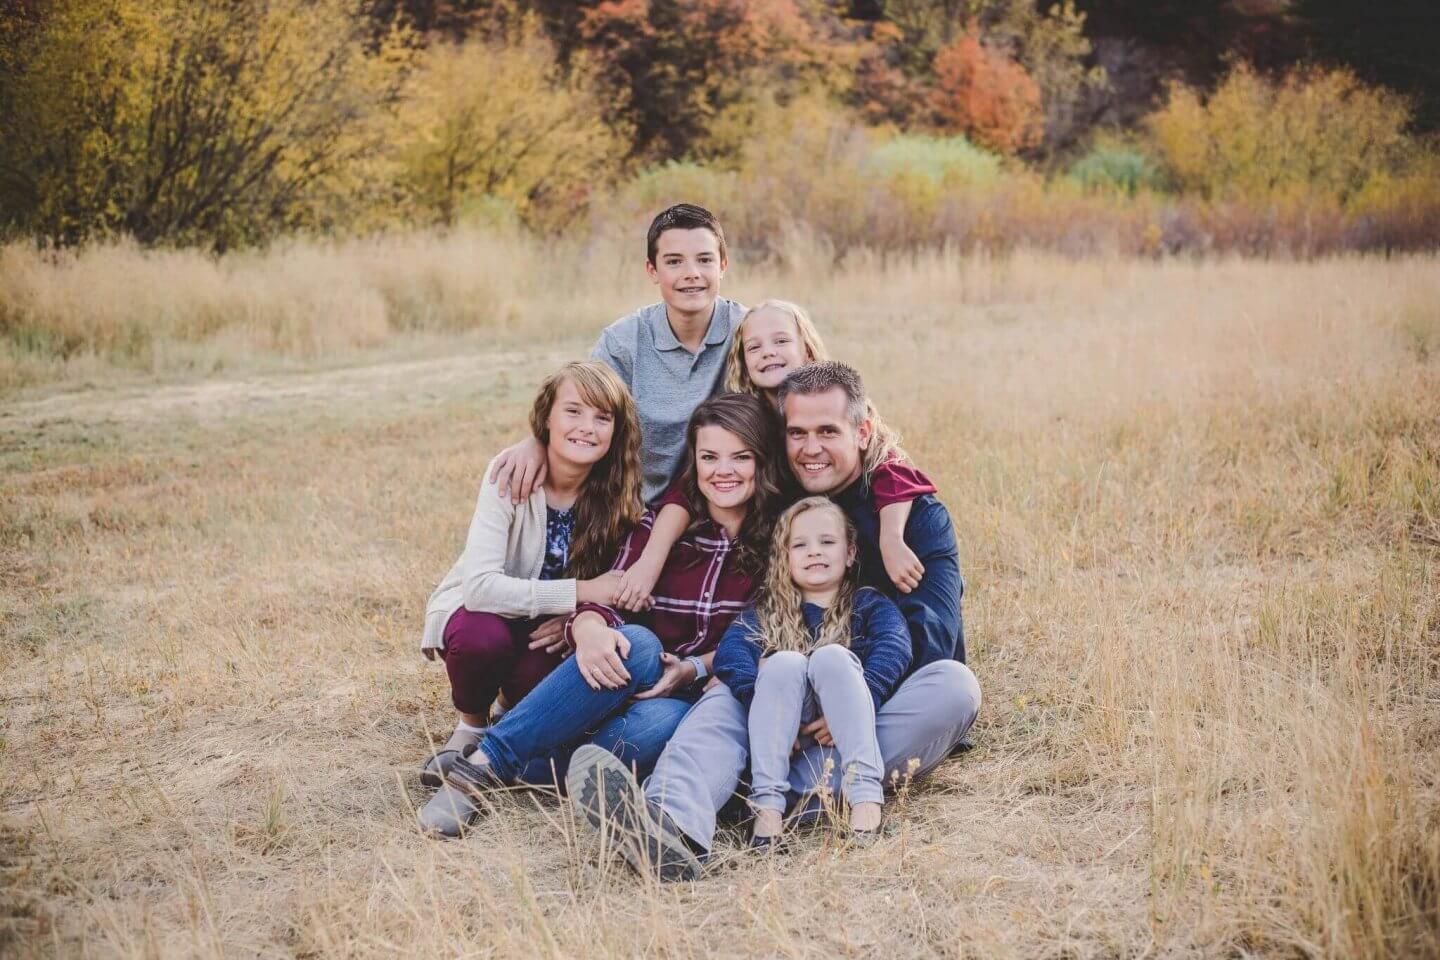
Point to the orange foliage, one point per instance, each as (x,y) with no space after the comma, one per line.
(986,96)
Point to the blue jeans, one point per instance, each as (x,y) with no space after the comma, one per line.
(637,736)
(536,734)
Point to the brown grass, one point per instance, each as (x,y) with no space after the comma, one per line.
(1199,507)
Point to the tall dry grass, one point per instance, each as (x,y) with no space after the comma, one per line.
(1199,509)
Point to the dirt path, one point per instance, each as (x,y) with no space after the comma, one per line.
(373,387)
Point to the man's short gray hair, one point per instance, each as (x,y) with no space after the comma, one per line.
(822,376)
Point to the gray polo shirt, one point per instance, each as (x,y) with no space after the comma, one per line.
(667,381)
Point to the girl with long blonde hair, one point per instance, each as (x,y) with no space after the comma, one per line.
(528,562)
(815,657)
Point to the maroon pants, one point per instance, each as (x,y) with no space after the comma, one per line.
(485,653)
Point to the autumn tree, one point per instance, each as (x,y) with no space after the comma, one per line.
(498,118)
(216,123)
(674,66)
(986,96)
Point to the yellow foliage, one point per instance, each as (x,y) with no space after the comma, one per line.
(1312,133)
(497,119)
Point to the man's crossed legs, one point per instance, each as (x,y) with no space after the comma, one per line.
(661,827)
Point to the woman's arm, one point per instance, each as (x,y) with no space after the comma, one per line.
(485,587)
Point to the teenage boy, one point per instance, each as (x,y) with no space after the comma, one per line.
(664,825)
(670,354)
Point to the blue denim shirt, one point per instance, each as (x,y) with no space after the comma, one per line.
(932,610)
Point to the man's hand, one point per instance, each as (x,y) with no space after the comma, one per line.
(520,469)
(598,654)
(677,675)
(820,730)
(550,635)
(901,565)
(633,592)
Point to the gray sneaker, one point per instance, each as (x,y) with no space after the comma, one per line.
(604,789)
(448,813)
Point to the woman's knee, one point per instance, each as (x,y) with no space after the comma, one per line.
(478,635)
(643,659)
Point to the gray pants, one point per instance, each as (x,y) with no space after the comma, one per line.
(702,764)
(792,688)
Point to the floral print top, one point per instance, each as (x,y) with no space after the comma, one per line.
(559,526)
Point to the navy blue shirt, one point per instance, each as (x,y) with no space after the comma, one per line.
(878,636)
(932,610)
(559,529)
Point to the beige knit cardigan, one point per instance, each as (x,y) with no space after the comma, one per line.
(497,573)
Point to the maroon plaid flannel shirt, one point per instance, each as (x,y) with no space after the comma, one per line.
(699,591)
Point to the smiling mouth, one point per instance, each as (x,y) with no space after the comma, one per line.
(725,486)
(817,566)
(814,467)
(691,289)
(581,443)
(773,366)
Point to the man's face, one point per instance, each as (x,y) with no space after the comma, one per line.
(826,450)
(687,269)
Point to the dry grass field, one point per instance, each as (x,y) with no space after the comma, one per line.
(1199,511)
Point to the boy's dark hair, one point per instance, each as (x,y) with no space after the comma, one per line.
(821,376)
(683,216)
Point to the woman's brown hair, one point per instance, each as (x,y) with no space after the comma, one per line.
(609,502)
(757,425)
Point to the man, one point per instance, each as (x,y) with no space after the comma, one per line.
(662,827)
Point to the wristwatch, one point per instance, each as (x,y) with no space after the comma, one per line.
(700,672)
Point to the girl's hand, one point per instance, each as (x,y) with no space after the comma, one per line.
(678,675)
(550,635)
(597,654)
(601,589)
(635,584)
(520,469)
(820,730)
(901,565)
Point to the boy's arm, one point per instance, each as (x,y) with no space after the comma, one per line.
(633,592)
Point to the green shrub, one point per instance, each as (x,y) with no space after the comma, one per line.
(942,160)
(1116,168)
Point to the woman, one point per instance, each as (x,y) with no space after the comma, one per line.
(660,658)
(538,559)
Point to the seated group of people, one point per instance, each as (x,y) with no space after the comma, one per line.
(785,615)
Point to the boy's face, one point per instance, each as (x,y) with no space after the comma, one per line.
(688,268)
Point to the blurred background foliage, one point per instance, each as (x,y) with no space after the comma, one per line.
(1142,126)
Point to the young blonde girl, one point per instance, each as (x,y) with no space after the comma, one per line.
(775,337)
(816,656)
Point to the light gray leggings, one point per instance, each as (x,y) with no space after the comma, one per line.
(702,764)
(792,688)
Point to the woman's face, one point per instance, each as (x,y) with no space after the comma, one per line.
(579,432)
(771,343)
(819,552)
(724,468)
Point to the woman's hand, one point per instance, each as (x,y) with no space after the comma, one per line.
(550,635)
(901,565)
(520,469)
(820,730)
(598,653)
(636,583)
(677,675)
(601,589)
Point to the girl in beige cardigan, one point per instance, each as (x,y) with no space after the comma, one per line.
(524,564)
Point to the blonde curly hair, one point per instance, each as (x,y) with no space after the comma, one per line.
(781,624)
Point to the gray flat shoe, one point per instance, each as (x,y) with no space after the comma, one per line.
(605,791)
(448,813)
(432,773)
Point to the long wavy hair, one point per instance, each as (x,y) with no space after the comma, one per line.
(780,621)
(609,502)
(757,425)
(884,440)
